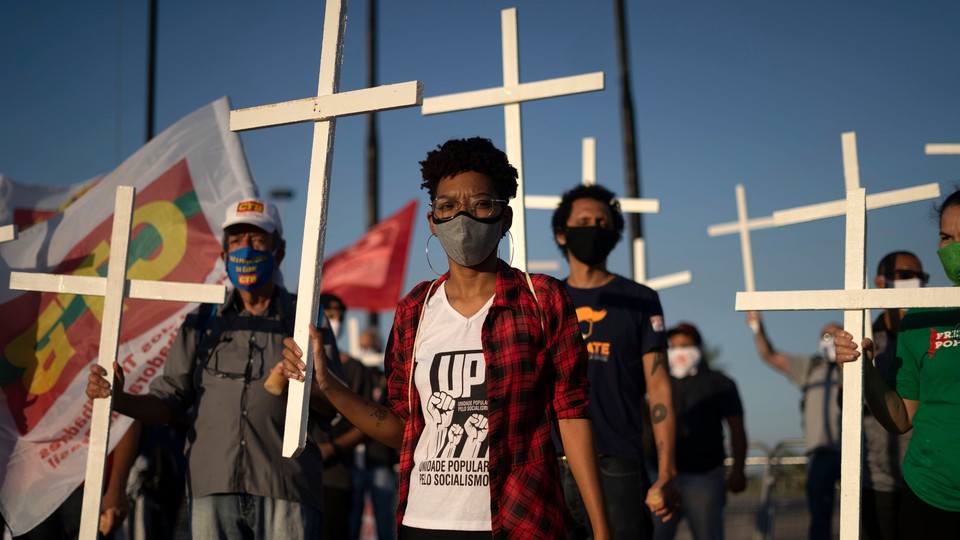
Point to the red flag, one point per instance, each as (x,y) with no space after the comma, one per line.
(369,274)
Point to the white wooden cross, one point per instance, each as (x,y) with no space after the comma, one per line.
(853,300)
(941,149)
(511,95)
(114,288)
(8,233)
(743,225)
(323,110)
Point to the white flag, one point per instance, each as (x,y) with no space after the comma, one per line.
(185,178)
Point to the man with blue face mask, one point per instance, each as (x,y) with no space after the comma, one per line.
(883,452)
(239,486)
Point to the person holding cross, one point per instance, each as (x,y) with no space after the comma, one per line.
(819,380)
(215,372)
(480,363)
(622,323)
(920,392)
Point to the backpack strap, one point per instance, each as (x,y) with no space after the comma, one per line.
(205,314)
(416,341)
(535,299)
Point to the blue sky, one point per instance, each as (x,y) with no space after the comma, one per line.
(748,92)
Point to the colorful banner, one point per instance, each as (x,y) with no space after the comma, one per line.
(369,274)
(185,179)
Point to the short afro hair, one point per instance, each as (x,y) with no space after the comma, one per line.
(582,191)
(475,154)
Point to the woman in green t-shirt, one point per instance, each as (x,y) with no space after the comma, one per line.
(922,392)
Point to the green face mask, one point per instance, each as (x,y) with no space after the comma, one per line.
(950,258)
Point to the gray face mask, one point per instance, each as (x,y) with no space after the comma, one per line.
(468,240)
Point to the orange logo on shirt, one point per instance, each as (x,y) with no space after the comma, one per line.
(587,314)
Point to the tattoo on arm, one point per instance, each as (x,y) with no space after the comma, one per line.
(659,360)
(658,413)
(380,414)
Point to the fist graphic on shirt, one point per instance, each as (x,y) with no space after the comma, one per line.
(455,435)
(440,408)
(476,427)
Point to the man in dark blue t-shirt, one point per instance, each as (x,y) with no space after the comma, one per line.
(622,324)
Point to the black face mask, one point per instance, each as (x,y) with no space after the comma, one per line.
(591,245)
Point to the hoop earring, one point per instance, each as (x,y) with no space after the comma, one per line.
(512,247)
(428,255)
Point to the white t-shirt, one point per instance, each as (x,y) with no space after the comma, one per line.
(449,484)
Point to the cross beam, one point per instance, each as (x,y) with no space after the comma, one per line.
(852,300)
(114,289)
(939,149)
(874,201)
(510,95)
(323,111)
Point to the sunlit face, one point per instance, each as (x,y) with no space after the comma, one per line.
(949,225)
(244,235)
(681,340)
(465,187)
(587,212)
(904,267)
(590,213)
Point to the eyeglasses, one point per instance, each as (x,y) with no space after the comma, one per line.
(480,207)
(910,274)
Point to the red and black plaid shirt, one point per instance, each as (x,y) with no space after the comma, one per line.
(533,374)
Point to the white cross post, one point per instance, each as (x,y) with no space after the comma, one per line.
(853,300)
(323,110)
(114,288)
(8,233)
(511,95)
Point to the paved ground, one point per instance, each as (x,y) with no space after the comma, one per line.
(789,522)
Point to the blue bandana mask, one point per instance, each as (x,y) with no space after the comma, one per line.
(249,268)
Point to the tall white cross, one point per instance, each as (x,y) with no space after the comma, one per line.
(853,300)
(114,288)
(511,95)
(8,233)
(323,110)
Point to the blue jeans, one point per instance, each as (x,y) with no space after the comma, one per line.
(252,517)
(625,486)
(702,497)
(381,483)
(823,473)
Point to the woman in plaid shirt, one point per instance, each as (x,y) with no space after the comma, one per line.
(480,362)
